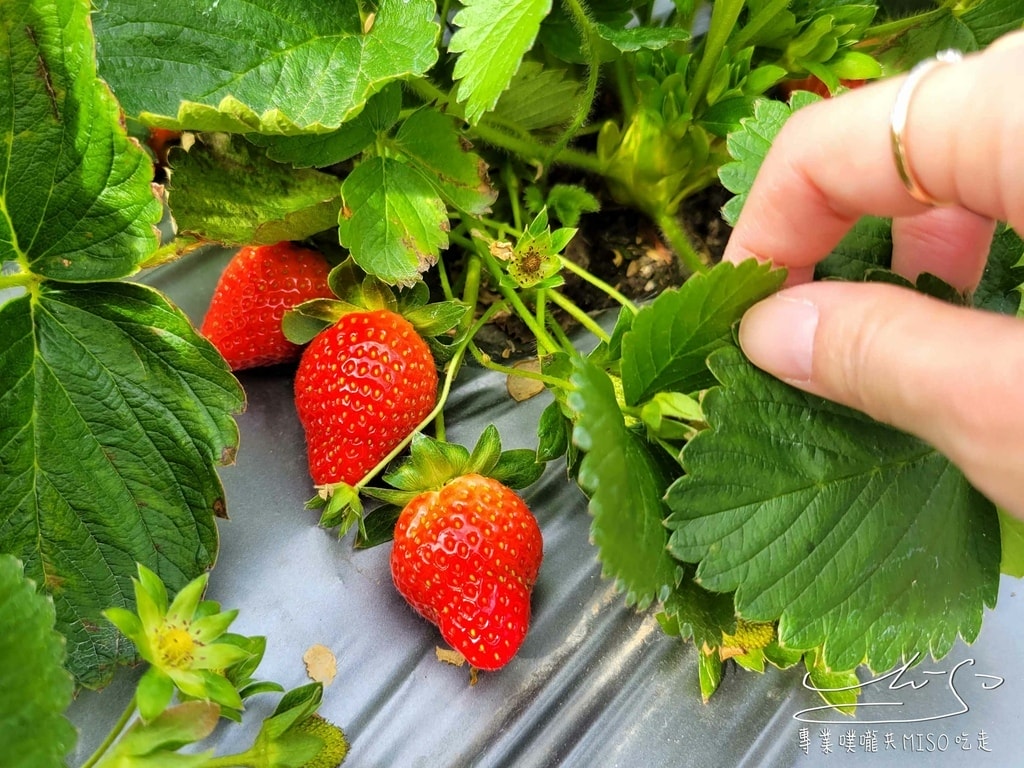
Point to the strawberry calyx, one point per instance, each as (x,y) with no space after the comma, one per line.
(359,292)
(432,464)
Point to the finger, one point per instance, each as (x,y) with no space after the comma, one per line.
(949,375)
(832,161)
(950,243)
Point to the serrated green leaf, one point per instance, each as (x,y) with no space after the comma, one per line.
(116,413)
(430,141)
(267,66)
(568,202)
(539,97)
(625,485)
(968,27)
(1011,535)
(866,247)
(1000,286)
(34,687)
(490,41)
(75,196)
(749,145)
(670,339)
(851,533)
(318,150)
(228,191)
(393,221)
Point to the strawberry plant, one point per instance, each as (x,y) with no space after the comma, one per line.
(450,158)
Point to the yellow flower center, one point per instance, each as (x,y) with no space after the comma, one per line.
(174,646)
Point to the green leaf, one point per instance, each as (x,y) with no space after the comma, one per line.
(749,145)
(490,41)
(539,97)
(709,671)
(553,431)
(1000,286)
(517,468)
(34,687)
(1011,535)
(75,197)
(568,202)
(670,340)
(226,190)
(967,27)
(866,247)
(851,533)
(393,220)
(182,724)
(322,149)
(379,527)
(116,413)
(839,689)
(436,318)
(626,485)
(631,39)
(692,611)
(269,66)
(430,142)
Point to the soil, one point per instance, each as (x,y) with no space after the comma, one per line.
(624,249)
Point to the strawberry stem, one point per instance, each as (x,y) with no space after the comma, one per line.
(580,316)
(486,361)
(598,283)
(585,26)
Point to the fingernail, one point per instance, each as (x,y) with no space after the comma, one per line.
(778,336)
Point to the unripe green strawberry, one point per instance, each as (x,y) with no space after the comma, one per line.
(466,558)
(361,387)
(258,285)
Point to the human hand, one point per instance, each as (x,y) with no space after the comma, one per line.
(950,375)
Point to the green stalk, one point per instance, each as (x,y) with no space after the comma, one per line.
(724,14)
(523,145)
(534,150)
(111,737)
(486,361)
(895,26)
(624,87)
(758,22)
(580,316)
(18,280)
(471,289)
(598,283)
(544,341)
(590,52)
(680,243)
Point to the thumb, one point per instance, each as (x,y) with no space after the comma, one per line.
(950,375)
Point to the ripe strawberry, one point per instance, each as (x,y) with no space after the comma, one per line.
(361,387)
(814,85)
(256,288)
(466,558)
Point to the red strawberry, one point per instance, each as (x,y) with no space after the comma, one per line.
(814,85)
(256,288)
(466,558)
(361,387)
